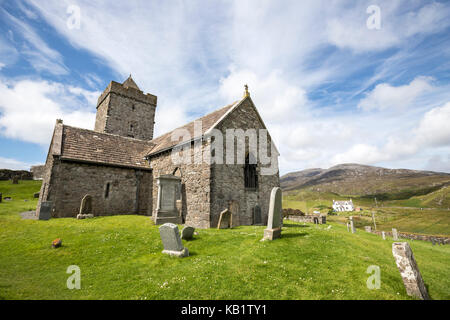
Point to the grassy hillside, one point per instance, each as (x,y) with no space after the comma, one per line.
(120,258)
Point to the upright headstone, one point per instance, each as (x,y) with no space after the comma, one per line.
(225,220)
(166,207)
(316,220)
(352,226)
(409,270)
(257,218)
(46,210)
(374,223)
(348,226)
(383,234)
(1,197)
(323,219)
(273,230)
(15,179)
(368,228)
(394,234)
(170,237)
(86,204)
(36,195)
(187,233)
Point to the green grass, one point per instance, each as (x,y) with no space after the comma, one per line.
(120,258)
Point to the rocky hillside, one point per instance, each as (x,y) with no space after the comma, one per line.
(356,179)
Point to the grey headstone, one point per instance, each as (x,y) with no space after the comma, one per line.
(15,180)
(274,221)
(225,220)
(409,270)
(348,226)
(187,233)
(257,218)
(36,195)
(383,235)
(394,234)
(45,213)
(352,226)
(86,204)
(275,209)
(323,219)
(170,237)
(368,228)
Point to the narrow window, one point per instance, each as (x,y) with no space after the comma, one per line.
(107,191)
(250,174)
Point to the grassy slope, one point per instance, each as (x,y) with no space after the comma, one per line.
(120,258)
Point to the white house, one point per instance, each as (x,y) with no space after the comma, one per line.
(343,205)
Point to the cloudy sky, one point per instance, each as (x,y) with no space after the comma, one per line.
(335,81)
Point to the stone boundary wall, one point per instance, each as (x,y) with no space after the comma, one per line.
(306,218)
(415,236)
(6,174)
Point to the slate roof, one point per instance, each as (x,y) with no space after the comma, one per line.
(91,146)
(164,142)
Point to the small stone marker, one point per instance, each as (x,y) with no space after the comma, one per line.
(15,180)
(383,234)
(433,241)
(36,195)
(85,216)
(46,210)
(56,243)
(368,228)
(409,270)
(225,220)
(273,230)
(323,219)
(394,234)
(316,220)
(187,233)
(170,237)
(348,227)
(86,204)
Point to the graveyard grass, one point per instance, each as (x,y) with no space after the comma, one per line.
(120,258)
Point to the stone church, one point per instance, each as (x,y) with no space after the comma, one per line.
(124,170)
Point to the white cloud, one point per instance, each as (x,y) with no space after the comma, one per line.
(384,96)
(434,128)
(439,163)
(13,164)
(29,108)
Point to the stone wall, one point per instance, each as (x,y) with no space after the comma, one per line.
(195,180)
(416,236)
(126,112)
(6,174)
(128,190)
(306,218)
(227,180)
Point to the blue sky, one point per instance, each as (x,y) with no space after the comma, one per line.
(330,88)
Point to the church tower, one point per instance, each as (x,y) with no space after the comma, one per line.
(123,109)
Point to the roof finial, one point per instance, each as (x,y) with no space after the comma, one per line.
(246,93)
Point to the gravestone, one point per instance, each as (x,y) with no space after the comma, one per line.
(316,220)
(15,180)
(225,220)
(170,237)
(45,212)
(383,235)
(187,233)
(433,241)
(86,204)
(257,218)
(273,230)
(409,270)
(36,195)
(394,234)
(233,207)
(368,228)
(348,227)
(1,197)
(323,219)
(166,208)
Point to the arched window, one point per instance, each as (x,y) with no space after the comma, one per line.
(250,173)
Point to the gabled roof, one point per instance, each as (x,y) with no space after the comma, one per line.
(102,148)
(209,121)
(129,83)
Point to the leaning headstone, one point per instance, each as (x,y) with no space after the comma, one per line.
(86,204)
(394,234)
(409,270)
(368,228)
(187,233)
(383,234)
(15,180)
(225,220)
(170,237)
(257,218)
(45,213)
(273,230)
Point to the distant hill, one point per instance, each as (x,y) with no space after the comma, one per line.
(364,180)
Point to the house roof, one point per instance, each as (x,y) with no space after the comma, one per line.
(209,121)
(90,146)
